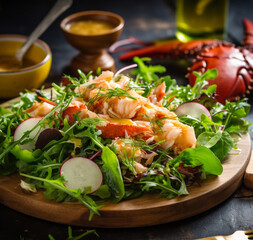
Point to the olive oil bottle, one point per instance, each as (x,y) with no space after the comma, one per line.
(198,19)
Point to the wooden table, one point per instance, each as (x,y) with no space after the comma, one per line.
(147,20)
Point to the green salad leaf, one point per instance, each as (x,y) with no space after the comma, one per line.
(54,185)
(220,143)
(201,156)
(112,174)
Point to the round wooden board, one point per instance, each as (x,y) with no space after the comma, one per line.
(149,209)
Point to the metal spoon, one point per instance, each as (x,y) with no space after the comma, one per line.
(59,7)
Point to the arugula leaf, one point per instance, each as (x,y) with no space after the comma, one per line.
(4,111)
(28,99)
(167,184)
(201,82)
(70,235)
(177,95)
(235,111)
(27,133)
(51,185)
(146,76)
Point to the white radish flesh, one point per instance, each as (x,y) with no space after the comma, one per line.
(25,126)
(81,173)
(192,109)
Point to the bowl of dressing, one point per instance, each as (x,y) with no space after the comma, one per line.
(31,74)
(92,33)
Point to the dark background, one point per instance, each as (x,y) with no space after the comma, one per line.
(146,20)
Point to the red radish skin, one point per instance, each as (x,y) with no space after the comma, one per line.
(25,126)
(81,173)
(193,109)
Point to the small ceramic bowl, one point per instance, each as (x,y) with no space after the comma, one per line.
(93,47)
(30,77)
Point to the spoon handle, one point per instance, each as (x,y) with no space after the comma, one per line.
(59,7)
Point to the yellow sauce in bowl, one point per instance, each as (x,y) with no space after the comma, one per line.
(9,63)
(90,27)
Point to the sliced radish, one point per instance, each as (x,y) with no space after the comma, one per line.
(25,126)
(81,173)
(192,109)
(125,68)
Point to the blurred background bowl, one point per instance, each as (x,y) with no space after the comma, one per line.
(30,77)
(92,42)
(93,46)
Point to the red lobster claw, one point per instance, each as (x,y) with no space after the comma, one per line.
(173,49)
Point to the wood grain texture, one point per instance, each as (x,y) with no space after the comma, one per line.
(248,176)
(149,209)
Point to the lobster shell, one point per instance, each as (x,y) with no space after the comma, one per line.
(234,67)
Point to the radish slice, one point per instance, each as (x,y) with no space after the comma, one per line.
(81,173)
(125,68)
(25,126)
(193,109)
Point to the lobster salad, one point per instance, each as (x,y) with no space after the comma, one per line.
(112,137)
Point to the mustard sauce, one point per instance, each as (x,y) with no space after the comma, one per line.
(90,27)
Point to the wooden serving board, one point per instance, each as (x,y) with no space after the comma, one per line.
(149,209)
(248,176)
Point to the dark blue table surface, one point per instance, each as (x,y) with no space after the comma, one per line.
(146,20)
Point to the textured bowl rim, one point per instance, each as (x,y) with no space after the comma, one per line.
(21,38)
(71,17)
